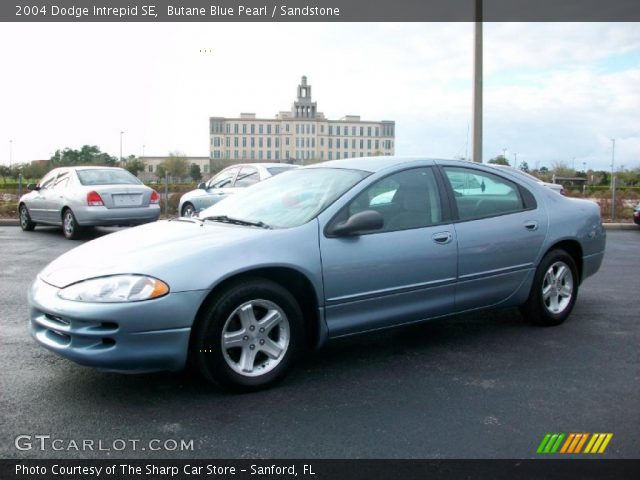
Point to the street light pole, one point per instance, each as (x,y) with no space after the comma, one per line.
(121,147)
(10,152)
(613,179)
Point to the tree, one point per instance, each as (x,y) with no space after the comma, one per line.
(160,171)
(562,169)
(500,160)
(134,165)
(175,165)
(195,173)
(87,155)
(524,166)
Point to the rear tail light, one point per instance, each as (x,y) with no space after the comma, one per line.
(94,199)
(155,198)
(563,191)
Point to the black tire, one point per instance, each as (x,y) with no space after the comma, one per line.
(215,362)
(26,223)
(556,306)
(70,227)
(188,210)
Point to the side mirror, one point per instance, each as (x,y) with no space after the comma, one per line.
(32,186)
(202,186)
(357,224)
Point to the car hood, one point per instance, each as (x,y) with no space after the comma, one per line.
(161,249)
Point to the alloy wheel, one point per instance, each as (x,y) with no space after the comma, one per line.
(557,287)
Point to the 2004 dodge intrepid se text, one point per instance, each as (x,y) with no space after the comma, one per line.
(315,253)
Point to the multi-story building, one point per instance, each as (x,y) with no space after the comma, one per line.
(302,135)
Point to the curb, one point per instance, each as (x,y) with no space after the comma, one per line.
(14,222)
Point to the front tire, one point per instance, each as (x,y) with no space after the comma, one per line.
(249,336)
(188,210)
(554,290)
(26,223)
(70,225)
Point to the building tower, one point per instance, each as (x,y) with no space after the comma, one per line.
(303,107)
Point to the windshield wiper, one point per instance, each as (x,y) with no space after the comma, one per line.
(235,221)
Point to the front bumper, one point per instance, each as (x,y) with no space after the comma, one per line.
(103,216)
(128,337)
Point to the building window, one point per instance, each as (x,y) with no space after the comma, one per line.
(268,142)
(150,168)
(297,128)
(322,141)
(369,143)
(228,128)
(286,141)
(338,130)
(313,128)
(353,143)
(337,155)
(235,154)
(277,129)
(361,143)
(330,129)
(206,168)
(286,127)
(269,128)
(244,128)
(235,128)
(228,141)
(244,141)
(259,154)
(368,131)
(377,144)
(321,128)
(330,143)
(253,154)
(260,142)
(330,156)
(253,129)
(286,154)
(353,131)
(377,131)
(227,154)
(277,142)
(260,129)
(277,155)
(235,141)
(268,154)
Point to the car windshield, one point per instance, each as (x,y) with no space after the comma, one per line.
(289,199)
(106,176)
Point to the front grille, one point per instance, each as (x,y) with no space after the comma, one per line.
(59,331)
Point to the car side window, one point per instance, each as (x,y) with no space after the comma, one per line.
(48,180)
(247,176)
(61,182)
(480,194)
(223,179)
(406,200)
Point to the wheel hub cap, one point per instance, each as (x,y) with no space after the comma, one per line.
(255,337)
(557,288)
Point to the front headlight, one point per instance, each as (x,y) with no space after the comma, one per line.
(114,289)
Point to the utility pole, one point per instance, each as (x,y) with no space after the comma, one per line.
(613,179)
(121,133)
(10,152)
(515,160)
(477,84)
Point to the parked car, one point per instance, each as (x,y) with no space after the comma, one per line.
(314,254)
(228,181)
(516,171)
(636,214)
(79,197)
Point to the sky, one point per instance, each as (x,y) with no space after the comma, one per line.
(553,92)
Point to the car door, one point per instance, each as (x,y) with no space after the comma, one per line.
(53,197)
(401,273)
(37,203)
(218,187)
(500,231)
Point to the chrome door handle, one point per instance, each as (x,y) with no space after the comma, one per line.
(442,237)
(531,225)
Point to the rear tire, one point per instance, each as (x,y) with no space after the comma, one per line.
(249,336)
(26,223)
(554,290)
(70,227)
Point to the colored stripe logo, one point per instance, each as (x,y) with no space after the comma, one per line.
(574,443)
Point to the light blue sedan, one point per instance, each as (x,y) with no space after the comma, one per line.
(316,253)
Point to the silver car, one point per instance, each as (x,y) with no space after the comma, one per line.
(79,197)
(316,253)
(556,187)
(228,181)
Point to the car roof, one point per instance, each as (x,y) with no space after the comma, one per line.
(370,164)
(262,165)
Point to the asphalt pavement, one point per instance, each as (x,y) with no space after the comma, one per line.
(481,385)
